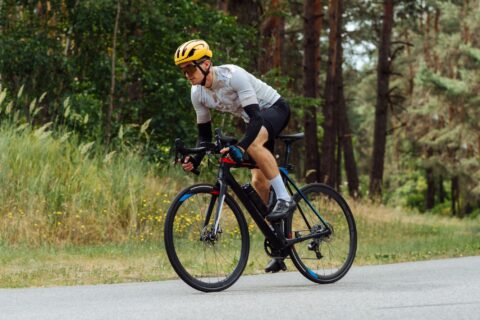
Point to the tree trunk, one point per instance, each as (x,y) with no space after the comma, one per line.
(311,66)
(108,116)
(346,141)
(338,165)
(411,72)
(381,109)
(132,89)
(344,133)
(272,32)
(330,124)
(455,193)
(68,40)
(222,5)
(430,200)
(248,12)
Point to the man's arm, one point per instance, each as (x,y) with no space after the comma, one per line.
(253,127)
(248,98)
(204,125)
(204,135)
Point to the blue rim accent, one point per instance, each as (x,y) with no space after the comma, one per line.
(186,196)
(285,171)
(313,274)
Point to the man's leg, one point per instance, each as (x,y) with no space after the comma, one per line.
(261,184)
(262,178)
(262,156)
(268,166)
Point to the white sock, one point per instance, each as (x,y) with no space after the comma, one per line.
(279,187)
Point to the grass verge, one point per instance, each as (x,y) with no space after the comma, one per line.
(384,236)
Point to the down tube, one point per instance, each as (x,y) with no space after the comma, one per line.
(257,217)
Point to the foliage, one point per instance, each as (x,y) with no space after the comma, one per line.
(55,77)
(447,106)
(70,52)
(408,190)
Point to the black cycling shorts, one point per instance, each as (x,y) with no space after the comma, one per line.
(275,119)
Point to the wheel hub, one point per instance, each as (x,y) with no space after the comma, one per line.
(208,235)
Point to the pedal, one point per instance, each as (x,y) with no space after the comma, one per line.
(314,246)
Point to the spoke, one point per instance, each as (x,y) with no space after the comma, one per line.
(206,264)
(216,264)
(210,263)
(221,257)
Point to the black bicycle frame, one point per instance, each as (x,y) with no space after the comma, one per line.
(327,231)
(289,182)
(225,179)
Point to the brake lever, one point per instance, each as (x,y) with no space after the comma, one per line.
(178,147)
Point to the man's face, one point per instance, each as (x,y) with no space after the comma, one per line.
(192,72)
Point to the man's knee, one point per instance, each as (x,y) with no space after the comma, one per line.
(260,140)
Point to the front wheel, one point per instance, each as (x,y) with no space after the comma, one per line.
(322,210)
(204,260)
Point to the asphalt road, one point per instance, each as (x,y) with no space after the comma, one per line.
(440,289)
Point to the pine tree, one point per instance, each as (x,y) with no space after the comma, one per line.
(445,113)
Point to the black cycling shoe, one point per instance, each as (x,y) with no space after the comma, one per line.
(281,210)
(276,265)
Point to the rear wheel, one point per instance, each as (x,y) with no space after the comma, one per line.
(328,258)
(205,261)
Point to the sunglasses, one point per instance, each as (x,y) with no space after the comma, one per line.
(192,67)
(189,69)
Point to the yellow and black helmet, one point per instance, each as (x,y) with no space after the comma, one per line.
(192,50)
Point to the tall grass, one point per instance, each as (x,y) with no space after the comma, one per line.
(56,191)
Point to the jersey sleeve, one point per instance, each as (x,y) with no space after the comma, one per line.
(240,82)
(203,113)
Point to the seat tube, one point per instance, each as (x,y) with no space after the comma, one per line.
(288,149)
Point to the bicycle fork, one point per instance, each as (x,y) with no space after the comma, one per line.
(218,195)
(221,201)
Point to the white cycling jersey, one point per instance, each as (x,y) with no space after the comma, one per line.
(232,89)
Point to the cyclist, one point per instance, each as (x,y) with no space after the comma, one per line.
(229,88)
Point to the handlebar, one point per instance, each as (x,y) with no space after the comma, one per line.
(221,142)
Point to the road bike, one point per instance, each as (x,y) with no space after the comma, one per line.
(207,236)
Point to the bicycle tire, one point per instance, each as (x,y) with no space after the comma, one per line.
(336,252)
(190,256)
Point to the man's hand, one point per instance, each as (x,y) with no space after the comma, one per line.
(187,164)
(235,153)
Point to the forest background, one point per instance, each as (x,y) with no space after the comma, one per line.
(387,93)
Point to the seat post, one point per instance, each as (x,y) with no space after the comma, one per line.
(288,149)
(289,139)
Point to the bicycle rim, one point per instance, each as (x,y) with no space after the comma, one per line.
(326,259)
(205,262)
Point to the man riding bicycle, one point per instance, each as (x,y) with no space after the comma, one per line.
(229,88)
